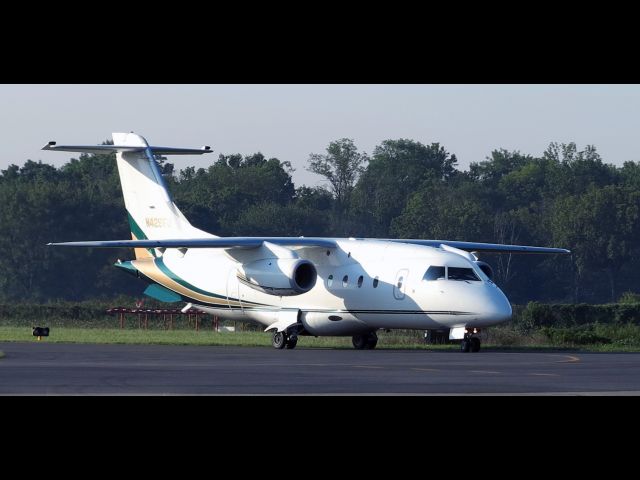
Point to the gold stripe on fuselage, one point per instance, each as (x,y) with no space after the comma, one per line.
(151,270)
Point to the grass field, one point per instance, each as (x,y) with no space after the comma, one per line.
(394,340)
(191,337)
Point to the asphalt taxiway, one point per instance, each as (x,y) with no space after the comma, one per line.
(47,368)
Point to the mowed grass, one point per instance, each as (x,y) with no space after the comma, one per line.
(191,337)
(135,336)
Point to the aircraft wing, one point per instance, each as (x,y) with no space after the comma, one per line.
(485,247)
(256,242)
(213,242)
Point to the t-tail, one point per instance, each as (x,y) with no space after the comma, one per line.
(151,211)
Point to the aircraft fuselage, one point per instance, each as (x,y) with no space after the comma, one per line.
(361,285)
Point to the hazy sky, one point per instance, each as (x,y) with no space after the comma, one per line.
(291,121)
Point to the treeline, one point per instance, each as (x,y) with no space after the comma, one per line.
(566,198)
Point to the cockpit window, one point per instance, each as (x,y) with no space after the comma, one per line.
(434,273)
(456,273)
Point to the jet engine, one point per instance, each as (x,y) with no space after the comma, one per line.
(486,268)
(279,276)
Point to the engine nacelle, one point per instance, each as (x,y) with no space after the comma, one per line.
(486,268)
(279,276)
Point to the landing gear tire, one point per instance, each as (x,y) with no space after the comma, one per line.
(359,342)
(470,344)
(279,340)
(372,341)
(365,342)
(292,341)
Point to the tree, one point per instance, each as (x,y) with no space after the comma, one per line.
(341,166)
(271,219)
(579,169)
(505,230)
(214,198)
(315,198)
(500,163)
(630,174)
(396,170)
(70,203)
(601,227)
(444,212)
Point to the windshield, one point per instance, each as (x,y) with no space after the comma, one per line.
(434,273)
(456,273)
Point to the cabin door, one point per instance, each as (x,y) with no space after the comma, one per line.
(400,283)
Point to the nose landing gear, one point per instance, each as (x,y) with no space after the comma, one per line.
(470,342)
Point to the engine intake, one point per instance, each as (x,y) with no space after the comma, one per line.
(279,276)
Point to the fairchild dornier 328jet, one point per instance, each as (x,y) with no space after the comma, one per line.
(300,285)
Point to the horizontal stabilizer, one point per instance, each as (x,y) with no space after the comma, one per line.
(102,149)
(214,242)
(486,247)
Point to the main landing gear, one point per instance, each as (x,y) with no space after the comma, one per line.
(470,342)
(282,340)
(367,341)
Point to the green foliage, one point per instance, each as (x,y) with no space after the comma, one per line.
(601,227)
(213,199)
(500,163)
(536,315)
(459,213)
(629,297)
(395,171)
(39,204)
(272,219)
(625,335)
(582,335)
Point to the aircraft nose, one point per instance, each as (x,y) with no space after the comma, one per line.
(499,308)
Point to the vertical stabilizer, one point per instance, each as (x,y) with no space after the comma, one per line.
(151,211)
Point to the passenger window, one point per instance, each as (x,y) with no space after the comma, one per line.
(360,280)
(434,273)
(456,273)
(330,281)
(345,281)
(375,282)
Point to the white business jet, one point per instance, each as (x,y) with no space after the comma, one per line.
(300,285)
